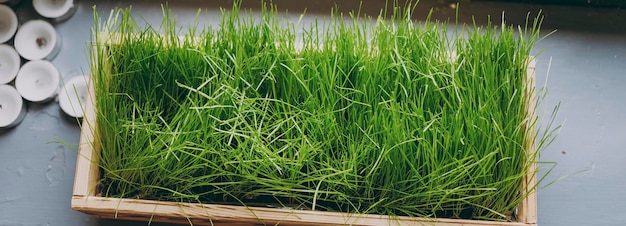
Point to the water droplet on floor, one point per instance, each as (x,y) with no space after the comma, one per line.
(56,166)
(45,121)
(7,199)
(20,171)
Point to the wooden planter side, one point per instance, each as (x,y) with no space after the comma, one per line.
(528,208)
(87,169)
(199,214)
(86,200)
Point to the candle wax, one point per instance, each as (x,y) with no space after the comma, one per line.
(12,108)
(9,63)
(73,96)
(37,81)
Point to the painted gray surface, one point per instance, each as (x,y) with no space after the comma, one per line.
(587,75)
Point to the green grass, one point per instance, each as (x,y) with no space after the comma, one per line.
(364,115)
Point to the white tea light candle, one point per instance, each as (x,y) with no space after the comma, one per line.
(12,107)
(38,81)
(36,40)
(8,23)
(9,63)
(73,96)
(55,9)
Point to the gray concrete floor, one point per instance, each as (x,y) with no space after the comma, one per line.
(585,60)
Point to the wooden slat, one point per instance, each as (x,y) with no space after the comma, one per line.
(87,170)
(528,208)
(204,214)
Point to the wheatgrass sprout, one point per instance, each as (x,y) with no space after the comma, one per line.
(360,117)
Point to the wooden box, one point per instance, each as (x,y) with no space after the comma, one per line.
(85,197)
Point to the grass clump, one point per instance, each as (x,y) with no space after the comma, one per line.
(362,116)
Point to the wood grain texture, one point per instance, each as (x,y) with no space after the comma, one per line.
(205,214)
(528,209)
(87,169)
(85,199)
